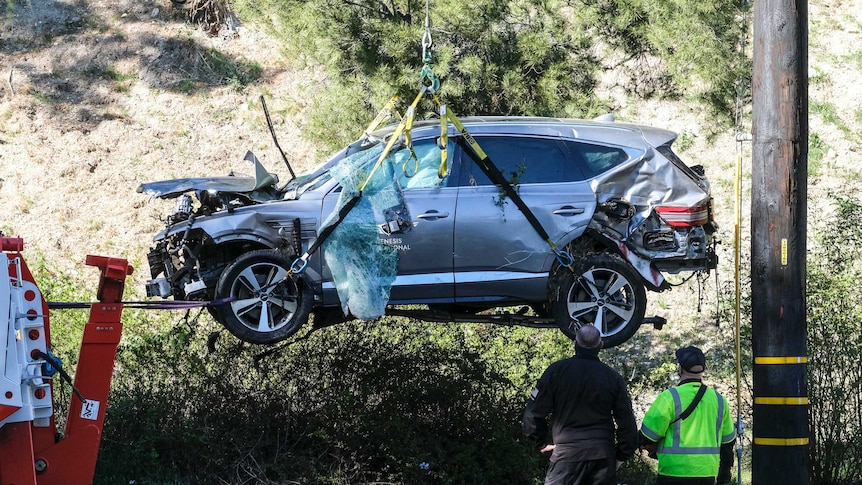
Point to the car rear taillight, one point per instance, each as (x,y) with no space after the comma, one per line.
(685,216)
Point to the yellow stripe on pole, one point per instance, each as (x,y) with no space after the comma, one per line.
(781,360)
(782,401)
(781,441)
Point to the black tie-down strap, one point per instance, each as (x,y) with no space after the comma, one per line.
(143,305)
(493,173)
(690,409)
(299,264)
(497,177)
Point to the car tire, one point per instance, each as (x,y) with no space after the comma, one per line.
(603,290)
(268,303)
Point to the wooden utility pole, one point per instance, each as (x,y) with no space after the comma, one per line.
(778,242)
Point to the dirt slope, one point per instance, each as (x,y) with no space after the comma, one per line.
(95,99)
(92,104)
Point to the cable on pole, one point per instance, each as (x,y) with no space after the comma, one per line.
(741,137)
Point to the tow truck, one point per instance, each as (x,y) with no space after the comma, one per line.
(32,451)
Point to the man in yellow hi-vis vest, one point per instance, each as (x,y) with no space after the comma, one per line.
(688,427)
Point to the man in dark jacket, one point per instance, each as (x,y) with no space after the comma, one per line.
(593,426)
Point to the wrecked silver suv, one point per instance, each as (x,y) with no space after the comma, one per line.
(610,210)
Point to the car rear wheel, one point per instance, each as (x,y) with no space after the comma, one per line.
(268,303)
(603,291)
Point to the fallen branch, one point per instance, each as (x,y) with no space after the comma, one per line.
(9,82)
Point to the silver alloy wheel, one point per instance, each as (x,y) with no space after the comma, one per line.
(268,303)
(264,300)
(604,298)
(603,291)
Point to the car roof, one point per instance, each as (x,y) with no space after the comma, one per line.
(596,130)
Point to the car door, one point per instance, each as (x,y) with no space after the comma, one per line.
(425,250)
(498,255)
(424,241)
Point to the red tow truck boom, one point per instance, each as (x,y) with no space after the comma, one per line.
(32,452)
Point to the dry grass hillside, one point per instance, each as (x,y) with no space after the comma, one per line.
(96,97)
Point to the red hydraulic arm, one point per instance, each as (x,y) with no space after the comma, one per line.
(32,452)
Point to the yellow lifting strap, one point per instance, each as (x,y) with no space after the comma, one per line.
(402,126)
(408,140)
(383,115)
(430,83)
(443,141)
(447,116)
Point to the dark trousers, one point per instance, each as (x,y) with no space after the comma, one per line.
(664,480)
(591,472)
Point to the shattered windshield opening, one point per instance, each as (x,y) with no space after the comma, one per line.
(363,268)
(320,174)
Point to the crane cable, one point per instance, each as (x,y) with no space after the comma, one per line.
(737,241)
(429,83)
(740,139)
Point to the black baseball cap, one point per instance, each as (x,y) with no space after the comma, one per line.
(691,359)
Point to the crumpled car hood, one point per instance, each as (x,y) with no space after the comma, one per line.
(169,189)
(176,187)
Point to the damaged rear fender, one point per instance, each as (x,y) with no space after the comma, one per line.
(594,241)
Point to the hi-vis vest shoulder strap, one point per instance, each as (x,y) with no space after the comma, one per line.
(711,438)
(690,447)
(690,409)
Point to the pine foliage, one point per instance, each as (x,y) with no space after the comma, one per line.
(540,57)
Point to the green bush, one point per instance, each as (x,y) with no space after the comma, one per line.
(835,345)
(391,400)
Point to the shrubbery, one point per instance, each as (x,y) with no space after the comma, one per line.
(835,345)
(388,401)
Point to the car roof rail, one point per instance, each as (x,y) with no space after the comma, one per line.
(607,117)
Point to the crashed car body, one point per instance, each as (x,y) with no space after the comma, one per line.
(613,199)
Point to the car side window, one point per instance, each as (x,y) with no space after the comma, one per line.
(595,159)
(521,160)
(420,172)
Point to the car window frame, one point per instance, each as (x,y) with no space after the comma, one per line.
(466,155)
(403,163)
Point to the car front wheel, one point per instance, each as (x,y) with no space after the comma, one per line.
(268,303)
(603,291)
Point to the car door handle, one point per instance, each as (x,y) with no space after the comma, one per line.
(432,214)
(568,211)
